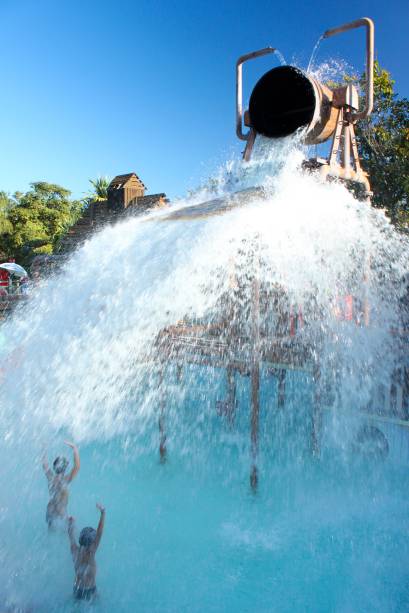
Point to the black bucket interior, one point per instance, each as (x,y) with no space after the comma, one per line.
(281,102)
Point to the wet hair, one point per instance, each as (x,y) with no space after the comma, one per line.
(87,537)
(60,464)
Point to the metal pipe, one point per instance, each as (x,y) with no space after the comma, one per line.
(239,86)
(370,30)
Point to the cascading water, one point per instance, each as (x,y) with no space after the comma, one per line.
(323,534)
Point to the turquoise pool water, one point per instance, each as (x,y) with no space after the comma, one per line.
(320,535)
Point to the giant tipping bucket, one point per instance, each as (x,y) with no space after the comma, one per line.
(287,99)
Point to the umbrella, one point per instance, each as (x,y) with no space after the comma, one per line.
(14,269)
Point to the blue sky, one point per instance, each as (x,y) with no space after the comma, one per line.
(101,88)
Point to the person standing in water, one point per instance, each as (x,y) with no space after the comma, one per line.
(58,485)
(83,556)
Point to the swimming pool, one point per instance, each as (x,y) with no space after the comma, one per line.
(323,533)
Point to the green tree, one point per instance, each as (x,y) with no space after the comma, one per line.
(6,227)
(38,219)
(6,203)
(383,144)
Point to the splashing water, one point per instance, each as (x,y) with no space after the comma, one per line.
(333,70)
(78,362)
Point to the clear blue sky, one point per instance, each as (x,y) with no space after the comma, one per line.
(108,87)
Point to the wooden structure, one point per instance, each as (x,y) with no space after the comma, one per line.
(126,196)
(240,341)
(255,325)
(124,190)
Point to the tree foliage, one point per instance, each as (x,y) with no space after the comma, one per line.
(32,223)
(99,192)
(6,203)
(6,227)
(383,145)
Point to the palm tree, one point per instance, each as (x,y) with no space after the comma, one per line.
(100,191)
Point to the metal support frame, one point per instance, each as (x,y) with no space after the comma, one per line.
(370,30)
(250,136)
(249,145)
(343,161)
(343,149)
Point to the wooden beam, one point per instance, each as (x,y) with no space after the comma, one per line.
(162,407)
(281,378)
(231,394)
(179,373)
(255,419)
(255,382)
(316,415)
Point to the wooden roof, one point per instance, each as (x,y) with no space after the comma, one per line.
(122,180)
(151,199)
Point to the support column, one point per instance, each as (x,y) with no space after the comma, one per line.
(162,407)
(347,151)
(316,415)
(255,383)
(249,145)
(255,415)
(336,145)
(281,377)
(366,281)
(179,373)
(231,395)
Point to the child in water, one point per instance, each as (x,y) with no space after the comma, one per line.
(83,557)
(57,485)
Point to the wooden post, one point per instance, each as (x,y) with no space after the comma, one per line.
(231,395)
(281,377)
(316,415)
(179,373)
(255,414)
(162,406)
(255,383)
(366,281)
